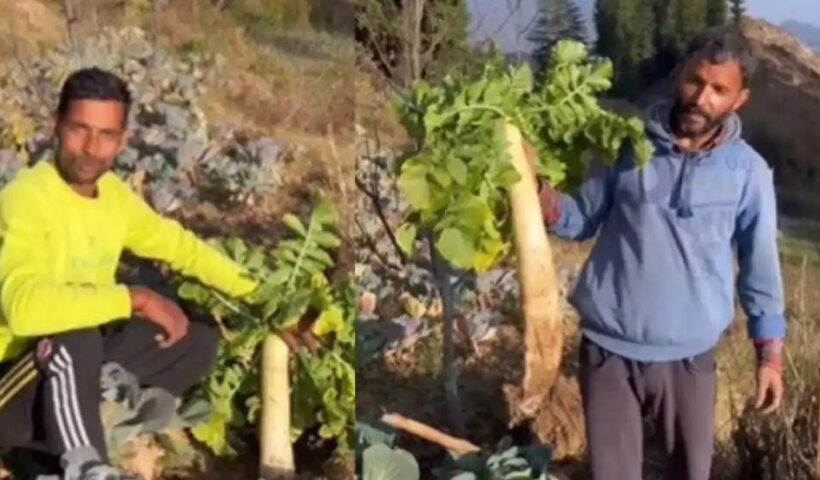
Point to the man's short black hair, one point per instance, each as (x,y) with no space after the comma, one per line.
(724,44)
(94,84)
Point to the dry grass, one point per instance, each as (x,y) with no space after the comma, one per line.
(277,80)
(26,28)
(281,78)
(408,380)
(294,84)
(375,113)
(785,445)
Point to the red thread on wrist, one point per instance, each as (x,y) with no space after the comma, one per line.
(768,352)
(550,205)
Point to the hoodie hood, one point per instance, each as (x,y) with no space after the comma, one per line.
(659,129)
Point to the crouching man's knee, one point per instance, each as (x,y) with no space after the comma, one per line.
(79,348)
(201,346)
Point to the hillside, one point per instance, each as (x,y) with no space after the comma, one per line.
(242,111)
(280,78)
(808,33)
(782,118)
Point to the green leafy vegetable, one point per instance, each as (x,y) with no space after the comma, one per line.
(456,176)
(508,462)
(293,285)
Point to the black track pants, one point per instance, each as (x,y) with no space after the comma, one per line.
(52,394)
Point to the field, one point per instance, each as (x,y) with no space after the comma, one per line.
(399,350)
(242,131)
(405,377)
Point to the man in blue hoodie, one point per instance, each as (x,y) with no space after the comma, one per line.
(656,292)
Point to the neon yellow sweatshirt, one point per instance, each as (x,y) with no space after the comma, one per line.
(60,252)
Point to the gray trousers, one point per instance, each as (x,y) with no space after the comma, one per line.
(678,397)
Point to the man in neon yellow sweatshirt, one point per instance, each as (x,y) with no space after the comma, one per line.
(64,223)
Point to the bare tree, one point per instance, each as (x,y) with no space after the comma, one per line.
(404,37)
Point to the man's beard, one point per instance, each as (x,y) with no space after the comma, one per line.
(685,127)
(69,167)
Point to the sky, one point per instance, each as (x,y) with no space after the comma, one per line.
(489,17)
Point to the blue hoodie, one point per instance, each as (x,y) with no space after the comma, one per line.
(659,282)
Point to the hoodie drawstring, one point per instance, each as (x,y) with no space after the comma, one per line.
(684,204)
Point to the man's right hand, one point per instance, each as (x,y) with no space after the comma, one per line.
(160,310)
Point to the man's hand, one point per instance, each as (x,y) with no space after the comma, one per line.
(301,333)
(769,378)
(162,311)
(769,385)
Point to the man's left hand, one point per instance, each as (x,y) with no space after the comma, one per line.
(769,355)
(769,389)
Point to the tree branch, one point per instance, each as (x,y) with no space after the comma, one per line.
(372,244)
(429,433)
(391,70)
(441,270)
(376,23)
(374,198)
(511,10)
(436,39)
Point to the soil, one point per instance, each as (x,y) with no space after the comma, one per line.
(407,381)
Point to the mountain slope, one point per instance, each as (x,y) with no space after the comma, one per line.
(781,119)
(806,32)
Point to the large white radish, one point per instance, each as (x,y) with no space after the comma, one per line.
(536,277)
(276,451)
